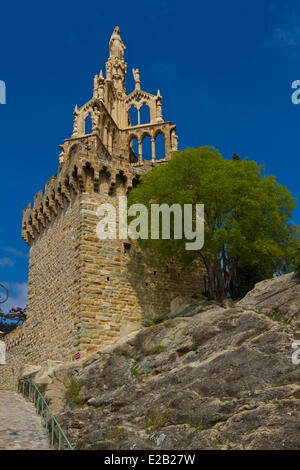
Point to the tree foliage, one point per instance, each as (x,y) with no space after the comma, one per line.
(248,229)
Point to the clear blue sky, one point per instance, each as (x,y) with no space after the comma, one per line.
(224,69)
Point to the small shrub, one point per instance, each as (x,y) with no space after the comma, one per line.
(73,392)
(113,433)
(155,350)
(297,395)
(123,352)
(196,424)
(155,420)
(135,374)
(154,322)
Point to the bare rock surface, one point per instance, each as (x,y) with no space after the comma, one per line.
(209,377)
(279,296)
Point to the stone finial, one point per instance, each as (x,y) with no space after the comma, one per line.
(95,86)
(174,142)
(137,80)
(159,117)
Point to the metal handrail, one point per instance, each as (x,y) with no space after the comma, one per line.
(3,288)
(47,417)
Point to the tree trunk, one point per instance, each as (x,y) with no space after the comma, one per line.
(219,277)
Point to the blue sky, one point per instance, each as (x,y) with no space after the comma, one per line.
(224,69)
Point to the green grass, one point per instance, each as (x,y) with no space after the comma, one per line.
(135,374)
(123,352)
(113,433)
(73,392)
(196,424)
(155,350)
(155,321)
(155,420)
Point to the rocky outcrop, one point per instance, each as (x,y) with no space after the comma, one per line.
(208,377)
(278,297)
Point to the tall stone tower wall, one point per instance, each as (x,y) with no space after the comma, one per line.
(84,293)
(53,285)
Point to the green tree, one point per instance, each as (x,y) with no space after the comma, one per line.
(248,229)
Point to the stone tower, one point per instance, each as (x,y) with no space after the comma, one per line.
(83,293)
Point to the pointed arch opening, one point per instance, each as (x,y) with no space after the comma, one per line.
(144,114)
(88,124)
(160,150)
(133,150)
(133,116)
(146,148)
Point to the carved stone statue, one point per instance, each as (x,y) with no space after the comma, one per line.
(136,75)
(174,142)
(116,46)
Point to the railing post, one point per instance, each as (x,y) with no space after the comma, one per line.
(47,420)
(42,412)
(52,433)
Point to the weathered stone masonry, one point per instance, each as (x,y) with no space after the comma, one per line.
(83,293)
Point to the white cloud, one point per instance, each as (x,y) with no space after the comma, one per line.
(15,252)
(17,295)
(6,263)
(287,37)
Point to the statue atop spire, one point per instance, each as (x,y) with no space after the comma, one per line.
(137,80)
(116,45)
(116,66)
(111,106)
